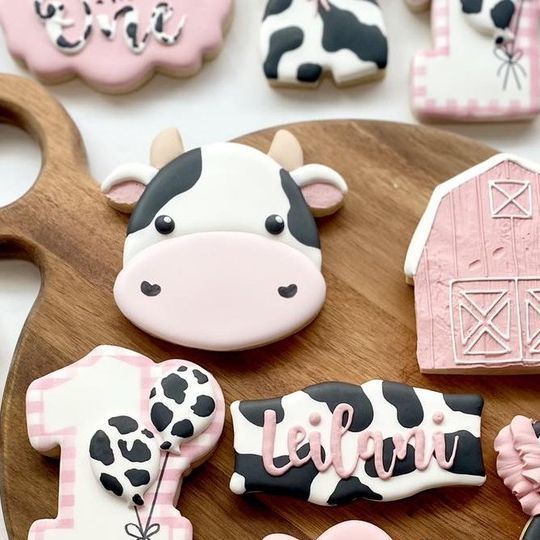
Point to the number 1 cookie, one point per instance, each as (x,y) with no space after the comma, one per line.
(115,45)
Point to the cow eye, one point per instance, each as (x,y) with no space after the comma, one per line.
(274,224)
(164,224)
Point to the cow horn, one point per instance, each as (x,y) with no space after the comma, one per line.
(166,146)
(286,150)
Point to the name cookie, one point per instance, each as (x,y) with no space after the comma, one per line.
(483,64)
(334,443)
(475,271)
(518,465)
(127,431)
(302,40)
(344,531)
(114,46)
(222,251)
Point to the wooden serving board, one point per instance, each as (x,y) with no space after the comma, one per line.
(366,331)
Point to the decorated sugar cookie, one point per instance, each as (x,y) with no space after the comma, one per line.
(474,261)
(304,40)
(222,249)
(128,431)
(484,61)
(350,530)
(115,45)
(334,443)
(518,465)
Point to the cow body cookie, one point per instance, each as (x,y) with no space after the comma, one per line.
(128,431)
(349,530)
(474,263)
(484,61)
(223,251)
(113,45)
(302,40)
(334,443)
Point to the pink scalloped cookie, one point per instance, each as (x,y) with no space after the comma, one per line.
(114,45)
(344,531)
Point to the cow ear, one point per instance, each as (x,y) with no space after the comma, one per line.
(323,188)
(166,147)
(287,150)
(126,184)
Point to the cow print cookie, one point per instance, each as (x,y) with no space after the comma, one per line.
(483,64)
(119,459)
(349,530)
(334,443)
(222,250)
(115,45)
(304,40)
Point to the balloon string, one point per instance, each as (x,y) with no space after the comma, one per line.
(160,481)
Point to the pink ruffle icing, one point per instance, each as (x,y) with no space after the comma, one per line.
(518,463)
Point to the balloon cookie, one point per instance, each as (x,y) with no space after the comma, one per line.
(334,443)
(127,431)
(518,465)
(114,45)
(350,530)
(222,250)
(303,40)
(483,64)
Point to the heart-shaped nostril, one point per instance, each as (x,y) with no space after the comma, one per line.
(288,292)
(150,290)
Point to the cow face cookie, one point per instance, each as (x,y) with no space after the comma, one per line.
(128,431)
(499,81)
(302,40)
(344,531)
(334,443)
(114,46)
(223,251)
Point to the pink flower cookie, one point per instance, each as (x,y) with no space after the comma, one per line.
(350,530)
(115,45)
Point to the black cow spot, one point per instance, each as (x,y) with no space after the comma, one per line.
(183,429)
(469,458)
(343,30)
(300,219)
(100,448)
(309,73)
(166,445)
(204,406)
(148,433)
(63,43)
(404,466)
(161,416)
(335,393)
(532,530)
(138,477)
(282,41)
(139,452)
(503,13)
(536,428)
(181,369)
(110,483)
(350,490)
(177,177)
(253,411)
(200,376)
(403,397)
(174,387)
(276,6)
(153,393)
(289,291)
(149,289)
(138,500)
(468,404)
(124,424)
(471,6)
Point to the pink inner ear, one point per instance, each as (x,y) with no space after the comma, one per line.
(128,192)
(322,196)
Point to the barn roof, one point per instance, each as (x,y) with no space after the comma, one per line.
(423,229)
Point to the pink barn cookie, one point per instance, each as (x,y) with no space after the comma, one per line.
(484,64)
(518,465)
(114,45)
(475,263)
(350,530)
(127,431)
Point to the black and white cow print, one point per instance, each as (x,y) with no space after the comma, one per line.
(385,407)
(491,17)
(125,458)
(303,39)
(182,406)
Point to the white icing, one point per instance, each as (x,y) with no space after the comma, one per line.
(314,173)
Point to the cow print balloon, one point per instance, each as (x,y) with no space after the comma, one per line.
(182,405)
(125,458)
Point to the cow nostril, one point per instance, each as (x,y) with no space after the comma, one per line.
(150,290)
(288,292)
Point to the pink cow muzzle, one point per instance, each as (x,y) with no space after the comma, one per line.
(220,291)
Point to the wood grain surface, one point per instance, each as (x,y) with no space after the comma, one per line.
(366,331)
